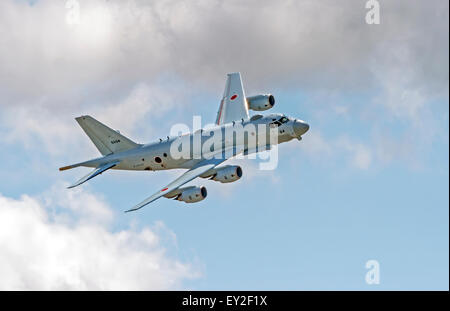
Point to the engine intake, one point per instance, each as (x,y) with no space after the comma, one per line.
(227,174)
(192,195)
(260,102)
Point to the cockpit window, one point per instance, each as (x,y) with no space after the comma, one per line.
(283,120)
(279,121)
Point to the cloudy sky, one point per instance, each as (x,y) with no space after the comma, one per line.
(368,181)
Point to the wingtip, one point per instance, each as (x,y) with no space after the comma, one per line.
(74,185)
(136,207)
(131,210)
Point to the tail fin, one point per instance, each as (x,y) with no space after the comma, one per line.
(233,106)
(104,138)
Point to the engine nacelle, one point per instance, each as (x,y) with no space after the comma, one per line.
(228,174)
(192,195)
(260,102)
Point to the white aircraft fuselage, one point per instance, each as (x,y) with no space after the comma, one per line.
(157,156)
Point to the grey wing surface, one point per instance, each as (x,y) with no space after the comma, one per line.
(191,174)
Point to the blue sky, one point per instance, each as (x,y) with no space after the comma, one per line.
(368,181)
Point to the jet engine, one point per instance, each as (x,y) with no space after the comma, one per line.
(227,174)
(192,194)
(260,102)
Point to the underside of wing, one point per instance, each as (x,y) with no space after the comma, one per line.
(191,174)
(233,105)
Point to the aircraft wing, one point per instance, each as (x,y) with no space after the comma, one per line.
(233,106)
(94,173)
(191,174)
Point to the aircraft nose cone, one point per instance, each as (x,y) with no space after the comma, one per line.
(300,127)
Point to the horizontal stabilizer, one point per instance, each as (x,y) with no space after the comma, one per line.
(94,173)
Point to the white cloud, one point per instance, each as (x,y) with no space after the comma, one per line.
(70,248)
(330,150)
(316,146)
(57,131)
(322,45)
(90,208)
(107,64)
(360,154)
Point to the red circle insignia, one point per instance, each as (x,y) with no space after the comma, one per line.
(233,97)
